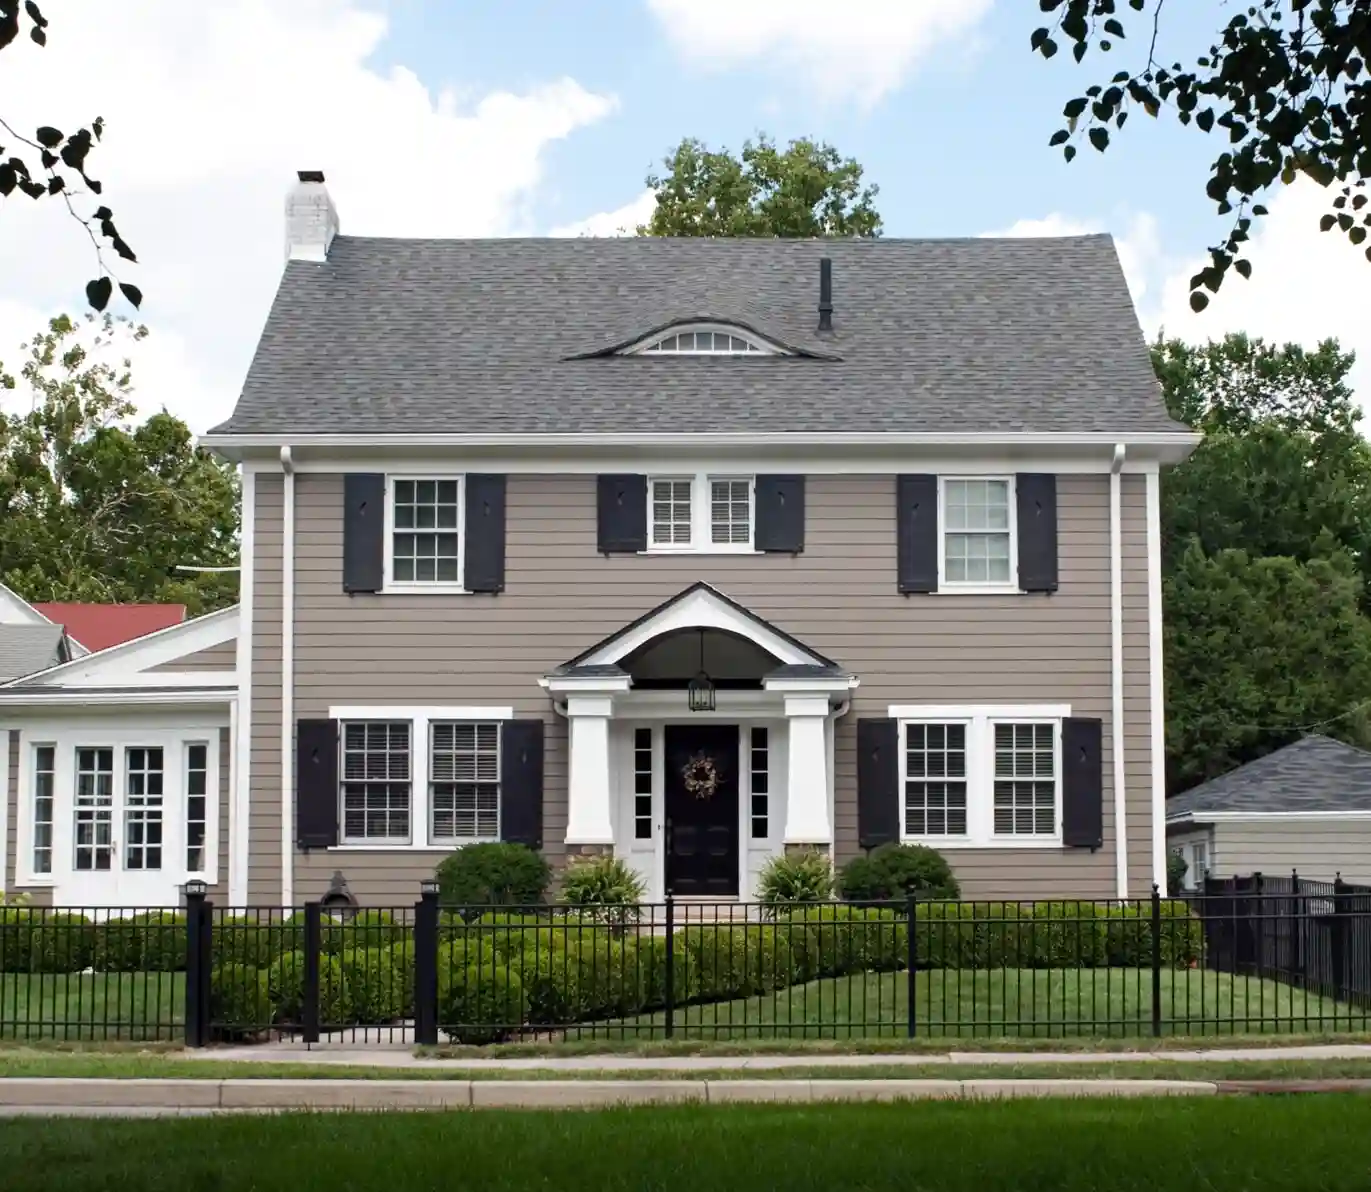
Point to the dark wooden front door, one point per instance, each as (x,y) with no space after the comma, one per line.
(702,833)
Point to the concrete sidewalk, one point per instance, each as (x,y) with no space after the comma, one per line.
(402,1058)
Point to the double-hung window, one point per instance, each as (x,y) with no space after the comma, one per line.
(704,513)
(982,776)
(977,533)
(44,789)
(464,781)
(424,542)
(376,782)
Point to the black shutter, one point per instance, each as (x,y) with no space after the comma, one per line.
(780,521)
(623,514)
(1037,509)
(316,783)
(878,781)
(1082,783)
(364,531)
(916,515)
(521,782)
(485,529)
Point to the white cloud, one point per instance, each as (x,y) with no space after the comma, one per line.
(210,108)
(623,221)
(1135,239)
(862,50)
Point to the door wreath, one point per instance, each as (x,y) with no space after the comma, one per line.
(700,776)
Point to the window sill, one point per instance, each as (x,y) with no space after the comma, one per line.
(962,843)
(434,589)
(700,550)
(945,589)
(439,847)
(24,881)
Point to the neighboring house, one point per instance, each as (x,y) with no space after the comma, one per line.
(693,551)
(28,648)
(1306,808)
(99,626)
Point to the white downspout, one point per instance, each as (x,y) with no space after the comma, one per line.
(240,797)
(1116,669)
(287,679)
(1156,675)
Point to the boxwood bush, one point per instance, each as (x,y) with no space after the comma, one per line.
(493,874)
(477,1005)
(154,942)
(239,1004)
(894,871)
(42,941)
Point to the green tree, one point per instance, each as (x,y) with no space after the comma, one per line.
(807,189)
(1258,650)
(93,507)
(1285,83)
(51,164)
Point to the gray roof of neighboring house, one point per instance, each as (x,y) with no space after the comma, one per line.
(25,649)
(409,336)
(1314,774)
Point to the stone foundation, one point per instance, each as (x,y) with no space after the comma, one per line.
(577,852)
(793,850)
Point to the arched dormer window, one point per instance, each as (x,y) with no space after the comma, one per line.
(704,339)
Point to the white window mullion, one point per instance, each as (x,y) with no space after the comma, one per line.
(700,511)
(421,753)
(980,768)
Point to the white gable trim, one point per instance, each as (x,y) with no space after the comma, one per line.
(703,608)
(112,666)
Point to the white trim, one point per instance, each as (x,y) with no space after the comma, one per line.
(419,718)
(1156,683)
(227,679)
(585,684)
(1116,711)
(704,608)
(4,814)
(115,663)
(765,347)
(974,711)
(391,586)
(980,723)
(1239,817)
(287,680)
(701,513)
(975,587)
(99,698)
(839,685)
(240,797)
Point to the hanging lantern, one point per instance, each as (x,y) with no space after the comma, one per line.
(700,689)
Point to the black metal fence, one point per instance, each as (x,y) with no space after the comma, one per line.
(1229,962)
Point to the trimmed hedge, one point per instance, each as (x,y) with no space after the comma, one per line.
(489,1004)
(40,941)
(239,1004)
(150,943)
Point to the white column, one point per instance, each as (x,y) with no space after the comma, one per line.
(588,789)
(807,819)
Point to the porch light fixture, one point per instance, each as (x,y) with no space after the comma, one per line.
(700,689)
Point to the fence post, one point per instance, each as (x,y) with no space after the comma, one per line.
(426,966)
(198,963)
(670,991)
(1342,974)
(313,945)
(1156,961)
(1297,907)
(910,910)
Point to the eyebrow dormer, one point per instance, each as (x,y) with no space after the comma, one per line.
(704,339)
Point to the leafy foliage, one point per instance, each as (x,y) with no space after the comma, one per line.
(48,164)
(805,876)
(605,884)
(493,874)
(1176,868)
(95,508)
(895,870)
(1286,81)
(807,189)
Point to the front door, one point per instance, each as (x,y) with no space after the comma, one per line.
(701,809)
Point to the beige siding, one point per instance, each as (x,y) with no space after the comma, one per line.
(37,896)
(223,657)
(838,596)
(1318,850)
(219,891)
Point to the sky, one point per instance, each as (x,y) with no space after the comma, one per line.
(538,117)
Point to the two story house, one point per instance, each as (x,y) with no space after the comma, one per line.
(689,551)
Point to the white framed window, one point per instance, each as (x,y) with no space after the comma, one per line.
(44,786)
(983,776)
(702,513)
(144,789)
(424,533)
(94,809)
(197,805)
(976,533)
(759,782)
(418,777)
(642,784)
(464,781)
(705,339)
(376,785)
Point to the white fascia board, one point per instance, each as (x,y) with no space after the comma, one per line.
(225,679)
(117,663)
(424,712)
(937,712)
(585,684)
(39,697)
(839,685)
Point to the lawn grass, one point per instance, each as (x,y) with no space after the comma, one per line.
(38,1064)
(1261,1145)
(1023,1003)
(92,1006)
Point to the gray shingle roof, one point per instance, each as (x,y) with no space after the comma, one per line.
(25,649)
(408,336)
(1314,774)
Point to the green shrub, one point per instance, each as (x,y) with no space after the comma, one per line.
(493,874)
(480,1005)
(402,962)
(893,871)
(830,941)
(569,978)
(729,962)
(1176,869)
(239,1004)
(796,877)
(363,931)
(285,978)
(242,939)
(43,941)
(647,965)
(605,886)
(154,942)
(373,992)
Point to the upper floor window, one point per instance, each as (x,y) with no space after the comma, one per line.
(424,541)
(705,340)
(700,513)
(977,532)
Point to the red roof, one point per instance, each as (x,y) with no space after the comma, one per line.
(99,626)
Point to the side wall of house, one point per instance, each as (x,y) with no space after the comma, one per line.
(1316,849)
(839,597)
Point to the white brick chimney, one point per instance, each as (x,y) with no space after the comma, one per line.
(311,219)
